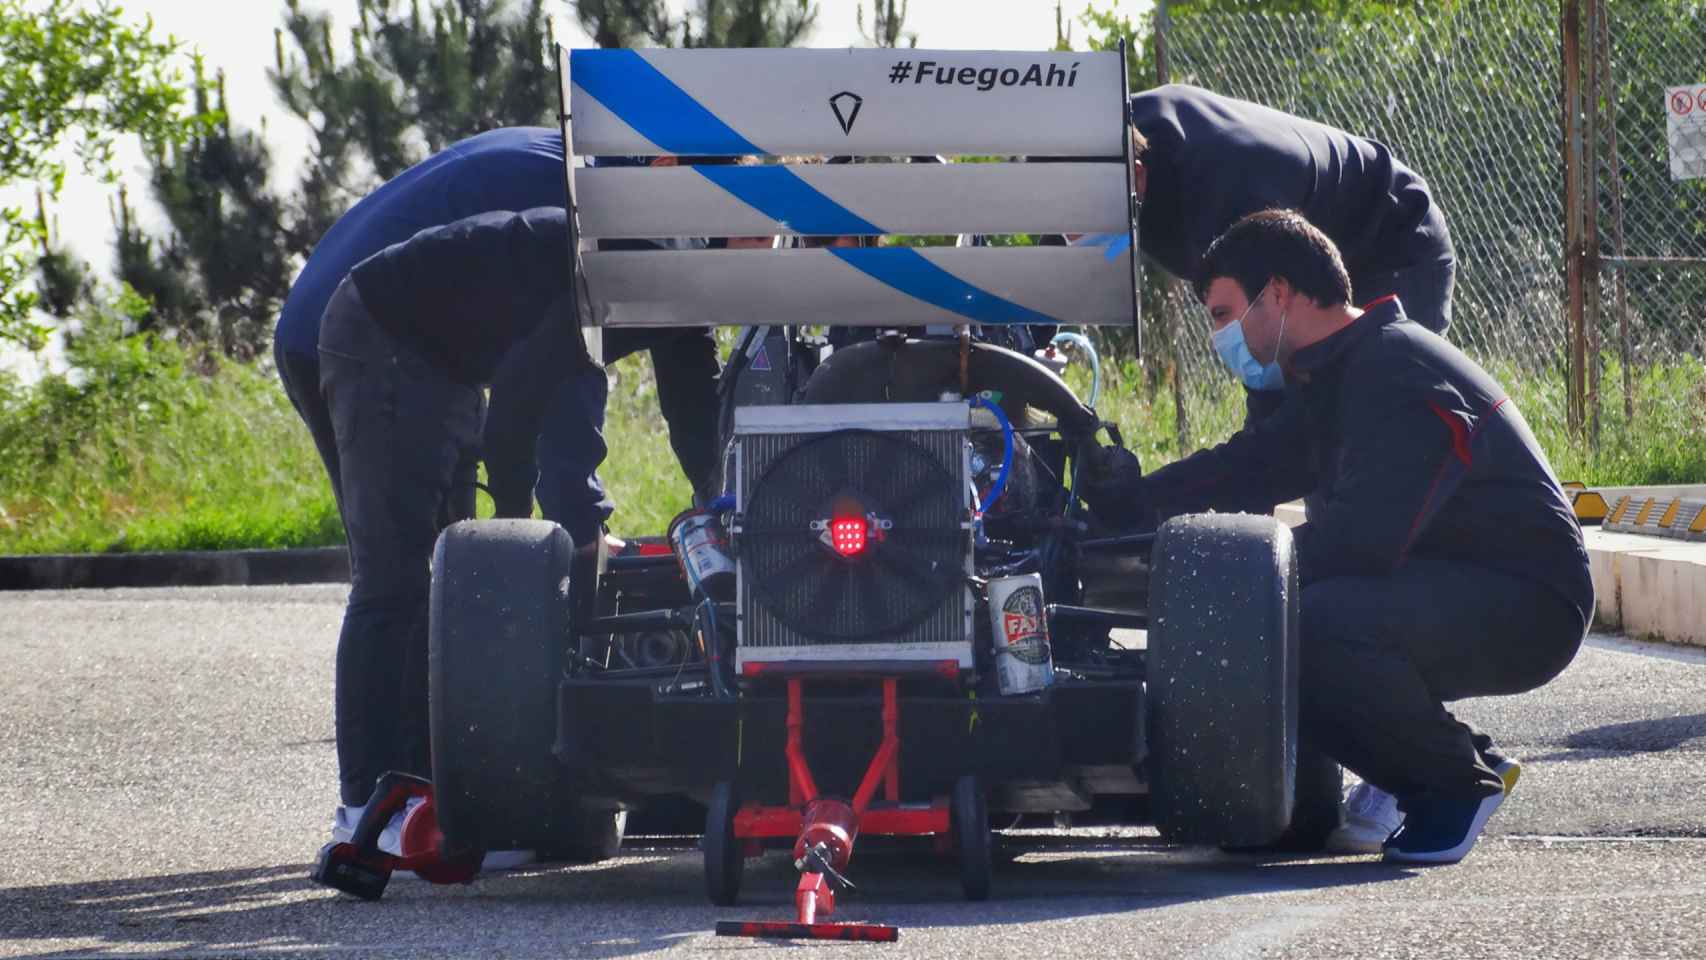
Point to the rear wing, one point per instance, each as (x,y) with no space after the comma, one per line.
(765,105)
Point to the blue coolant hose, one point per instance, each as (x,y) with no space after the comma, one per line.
(983,400)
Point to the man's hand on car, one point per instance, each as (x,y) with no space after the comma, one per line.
(1111,482)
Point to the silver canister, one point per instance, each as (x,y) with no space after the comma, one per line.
(1019,632)
(701,546)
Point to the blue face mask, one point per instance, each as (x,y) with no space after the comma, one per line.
(1235,353)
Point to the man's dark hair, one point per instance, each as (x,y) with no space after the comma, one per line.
(1277,243)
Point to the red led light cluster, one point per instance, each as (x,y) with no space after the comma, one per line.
(847,536)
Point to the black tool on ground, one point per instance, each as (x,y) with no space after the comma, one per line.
(359,868)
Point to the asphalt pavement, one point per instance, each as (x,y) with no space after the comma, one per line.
(167,772)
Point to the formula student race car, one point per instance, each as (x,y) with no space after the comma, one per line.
(897,619)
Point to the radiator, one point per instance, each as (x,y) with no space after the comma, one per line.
(852,535)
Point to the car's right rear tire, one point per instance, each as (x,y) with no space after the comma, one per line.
(968,815)
(1222,682)
(725,853)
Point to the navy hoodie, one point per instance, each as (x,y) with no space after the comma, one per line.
(1412,449)
(1213,159)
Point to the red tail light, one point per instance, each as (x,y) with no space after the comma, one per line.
(847,536)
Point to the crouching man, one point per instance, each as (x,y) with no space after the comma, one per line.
(1446,562)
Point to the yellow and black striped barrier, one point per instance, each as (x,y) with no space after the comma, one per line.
(1676,517)
(1589,504)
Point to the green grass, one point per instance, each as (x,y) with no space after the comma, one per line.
(146,455)
(151,454)
(1665,441)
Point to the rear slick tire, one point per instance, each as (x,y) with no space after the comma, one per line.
(725,854)
(1222,690)
(968,814)
(497,631)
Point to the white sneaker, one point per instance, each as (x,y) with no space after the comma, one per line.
(1371,816)
(391,839)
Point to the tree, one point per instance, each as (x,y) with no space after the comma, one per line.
(747,23)
(162,277)
(80,75)
(229,224)
(1062,29)
(625,23)
(886,23)
(413,79)
(62,278)
(413,84)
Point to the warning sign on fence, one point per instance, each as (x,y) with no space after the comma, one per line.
(1685,122)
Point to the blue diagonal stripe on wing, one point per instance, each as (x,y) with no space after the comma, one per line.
(653,105)
(908,271)
(781,195)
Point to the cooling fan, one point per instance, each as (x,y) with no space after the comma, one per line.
(853,536)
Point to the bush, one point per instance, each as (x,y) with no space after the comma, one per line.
(141,446)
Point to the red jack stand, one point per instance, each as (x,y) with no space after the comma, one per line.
(825,829)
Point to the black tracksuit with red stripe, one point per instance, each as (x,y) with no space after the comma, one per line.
(1445,560)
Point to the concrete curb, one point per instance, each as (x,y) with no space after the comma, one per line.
(207,568)
(1650,586)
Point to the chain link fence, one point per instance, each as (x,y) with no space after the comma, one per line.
(1469,95)
(1645,136)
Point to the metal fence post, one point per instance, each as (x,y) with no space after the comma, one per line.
(1570,30)
(1614,168)
(1590,223)
(1181,413)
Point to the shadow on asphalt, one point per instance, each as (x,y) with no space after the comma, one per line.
(1642,736)
(1634,737)
(647,900)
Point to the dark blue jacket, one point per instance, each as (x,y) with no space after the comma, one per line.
(1213,159)
(514,168)
(466,295)
(1412,449)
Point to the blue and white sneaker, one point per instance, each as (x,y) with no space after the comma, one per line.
(1372,814)
(1441,828)
(1508,768)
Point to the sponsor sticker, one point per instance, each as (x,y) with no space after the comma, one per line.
(1022,626)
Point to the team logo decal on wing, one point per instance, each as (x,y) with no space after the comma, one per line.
(846,105)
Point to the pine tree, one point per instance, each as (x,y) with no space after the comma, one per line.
(417,77)
(415,81)
(626,23)
(62,278)
(748,23)
(886,23)
(159,270)
(229,224)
